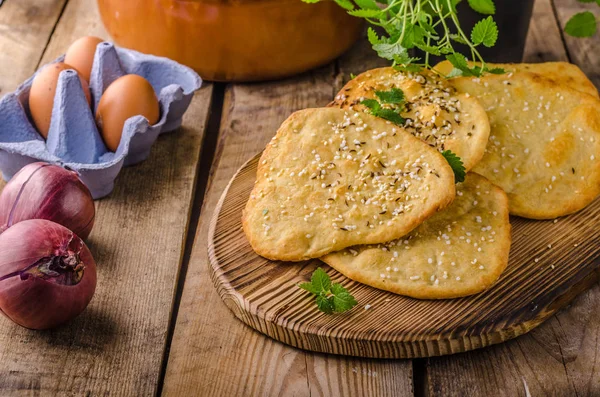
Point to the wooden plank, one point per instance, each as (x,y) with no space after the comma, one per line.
(582,51)
(212,352)
(561,356)
(116,346)
(80,18)
(261,293)
(25,27)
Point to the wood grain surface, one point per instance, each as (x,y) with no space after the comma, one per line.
(116,346)
(25,28)
(212,352)
(562,356)
(550,263)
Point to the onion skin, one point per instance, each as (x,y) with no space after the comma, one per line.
(33,294)
(45,191)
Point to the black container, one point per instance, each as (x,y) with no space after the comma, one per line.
(512,17)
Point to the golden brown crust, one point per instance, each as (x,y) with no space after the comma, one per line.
(562,73)
(436,113)
(458,252)
(544,147)
(331,179)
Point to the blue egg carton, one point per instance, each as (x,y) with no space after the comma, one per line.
(73,139)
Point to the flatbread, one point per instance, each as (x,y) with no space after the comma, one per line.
(331,179)
(459,251)
(544,147)
(559,72)
(435,112)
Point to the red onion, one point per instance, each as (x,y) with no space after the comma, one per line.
(46,191)
(47,274)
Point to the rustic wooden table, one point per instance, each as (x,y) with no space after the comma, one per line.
(157,326)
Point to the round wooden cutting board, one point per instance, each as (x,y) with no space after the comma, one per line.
(550,263)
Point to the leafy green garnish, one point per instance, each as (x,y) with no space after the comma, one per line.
(456,164)
(429,25)
(485,32)
(395,96)
(483,6)
(330,298)
(582,24)
(462,68)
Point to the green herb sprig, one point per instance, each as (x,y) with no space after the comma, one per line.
(330,298)
(429,25)
(395,96)
(456,164)
(583,24)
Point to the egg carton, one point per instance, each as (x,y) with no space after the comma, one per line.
(73,139)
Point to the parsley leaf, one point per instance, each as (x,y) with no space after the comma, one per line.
(461,67)
(496,70)
(390,115)
(342,299)
(483,6)
(330,298)
(372,104)
(390,51)
(582,24)
(394,96)
(456,164)
(485,32)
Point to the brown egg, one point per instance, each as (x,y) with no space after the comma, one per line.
(81,53)
(41,95)
(127,96)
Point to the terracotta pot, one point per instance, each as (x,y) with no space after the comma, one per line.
(234,40)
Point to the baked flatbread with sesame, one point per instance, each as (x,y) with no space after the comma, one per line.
(331,179)
(433,110)
(457,252)
(560,72)
(544,147)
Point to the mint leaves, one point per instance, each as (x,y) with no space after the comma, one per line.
(432,26)
(395,96)
(485,32)
(483,6)
(330,298)
(583,24)
(462,68)
(456,164)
